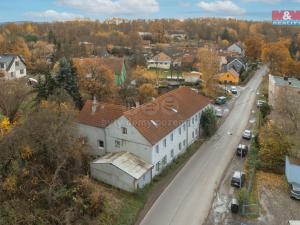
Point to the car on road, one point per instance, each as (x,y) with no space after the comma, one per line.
(242,150)
(218,112)
(221,100)
(260,103)
(238,179)
(295,191)
(247,134)
(233,90)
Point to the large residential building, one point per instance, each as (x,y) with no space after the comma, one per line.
(156,132)
(283,91)
(160,61)
(12,67)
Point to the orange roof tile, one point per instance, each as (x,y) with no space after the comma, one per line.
(105,114)
(158,118)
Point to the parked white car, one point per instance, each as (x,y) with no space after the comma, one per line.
(219,112)
(247,134)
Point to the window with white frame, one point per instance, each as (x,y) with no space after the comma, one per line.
(157,149)
(184,126)
(179,130)
(172,153)
(172,137)
(184,142)
(179,146)
(165,142)
(117,143)
(193,120)
(100,144)
(21,71)
(193,134)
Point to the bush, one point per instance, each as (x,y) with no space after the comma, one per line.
(243,197)
(265,110)
(209,121)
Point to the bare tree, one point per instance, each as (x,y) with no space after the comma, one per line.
(12,96)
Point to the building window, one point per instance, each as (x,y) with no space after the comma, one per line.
(189,123)
(193,134)
(165,142)
(184,142)
(179,130)
(124,130)
(2,65)
(196,118)
(164,160)
(22,71)
(100,144)
(179,146)
(193,120)
(184,127)
(117,144)
(157,149)
(12,74)
(172,153)
(157,166)
(172,137)
(17,63)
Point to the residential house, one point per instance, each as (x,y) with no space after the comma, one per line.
(179,35)
(115,64)
(12,67)
(236,48)
(229,77)
(160,61)
(123,170)
(193,77)
(156,132)
(237,63)
(283,91)
(93,119)
(145,35)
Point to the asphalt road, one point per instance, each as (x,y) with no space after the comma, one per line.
(188,198)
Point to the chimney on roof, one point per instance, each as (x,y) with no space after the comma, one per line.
(94,105)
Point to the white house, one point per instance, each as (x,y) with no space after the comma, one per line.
(156,132)
(12,66)
(160,61)
(236,48)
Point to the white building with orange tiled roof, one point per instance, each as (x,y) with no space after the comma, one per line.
(156,132)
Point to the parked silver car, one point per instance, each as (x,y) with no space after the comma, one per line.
(295,191)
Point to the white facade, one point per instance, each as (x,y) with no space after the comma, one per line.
(236,49)
(159,155)
(12,67)
(159,64)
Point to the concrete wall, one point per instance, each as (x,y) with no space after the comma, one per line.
(132,142)
(92,135)
(112,175)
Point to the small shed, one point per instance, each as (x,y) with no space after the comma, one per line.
(292,171)
(123,170)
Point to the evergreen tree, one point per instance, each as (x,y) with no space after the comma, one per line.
(67,79)
(45,88)
(208,121)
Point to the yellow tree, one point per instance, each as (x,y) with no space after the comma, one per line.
(274,146)
(209,66)
(277,55)
(95,79)
(146,92)
(254,47)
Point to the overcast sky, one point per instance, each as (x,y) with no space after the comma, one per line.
(49,10)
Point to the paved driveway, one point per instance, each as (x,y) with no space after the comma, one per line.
(188,198)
